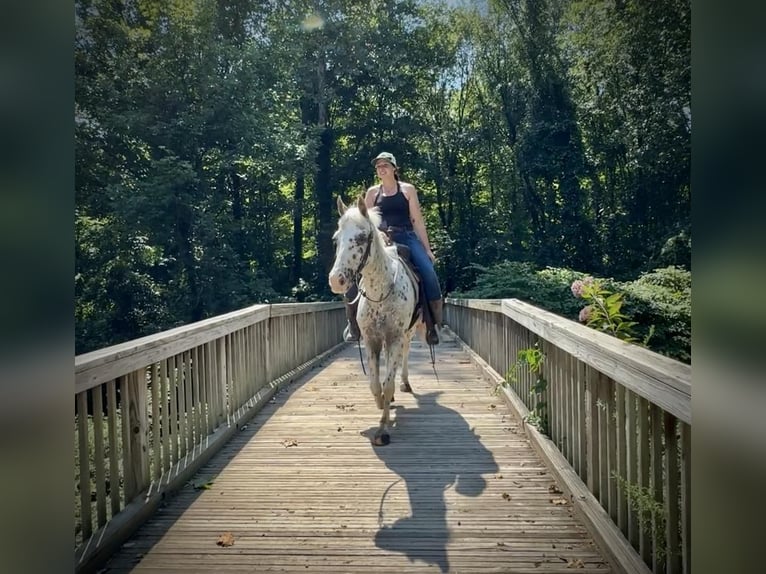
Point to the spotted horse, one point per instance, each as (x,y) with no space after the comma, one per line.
(388,298)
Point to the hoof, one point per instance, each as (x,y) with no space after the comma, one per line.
(381,439)
(405,388)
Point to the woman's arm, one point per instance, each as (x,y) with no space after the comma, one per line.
(369,197)
(417,218)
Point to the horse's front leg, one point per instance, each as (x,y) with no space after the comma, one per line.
(373,360)
(393,360)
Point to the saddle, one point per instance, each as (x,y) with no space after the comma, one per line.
(403,252)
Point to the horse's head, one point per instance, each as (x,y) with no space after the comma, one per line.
(356,232)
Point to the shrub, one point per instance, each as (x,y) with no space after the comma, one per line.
(546,288)
(660,298)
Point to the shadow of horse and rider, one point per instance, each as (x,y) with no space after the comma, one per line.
(440,451)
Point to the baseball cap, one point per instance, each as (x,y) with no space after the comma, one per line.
(385,156)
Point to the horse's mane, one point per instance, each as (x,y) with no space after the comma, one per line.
(373,215)
(373,218)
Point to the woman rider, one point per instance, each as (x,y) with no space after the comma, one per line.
(400,209)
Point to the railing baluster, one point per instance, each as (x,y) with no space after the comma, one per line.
(622,463)
(114,470)
(611,419)
(98,455)
(86,519)
(207,423)
(582,411)
(672,495)
(644,536)
(221,360)
(128,478)
(175,420)
(633,465)
(686,493)
(658,522)
(569,385)
(197,403)
(555,393)
(165,405)
(603,434)
(156,445)
(137,431)
(593,450)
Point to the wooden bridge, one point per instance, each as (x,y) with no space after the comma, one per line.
(241,443)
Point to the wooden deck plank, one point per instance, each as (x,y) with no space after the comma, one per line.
(459,489)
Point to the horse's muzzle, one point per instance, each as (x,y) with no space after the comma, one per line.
(339,284)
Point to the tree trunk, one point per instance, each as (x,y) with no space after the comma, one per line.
(300,190)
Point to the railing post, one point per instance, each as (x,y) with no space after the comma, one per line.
(591,432)
(268,349)
(224,411)
(137,427)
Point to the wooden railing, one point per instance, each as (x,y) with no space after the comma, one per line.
(619,425)
(149,412)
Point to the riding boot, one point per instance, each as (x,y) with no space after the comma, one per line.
(351,332)
(433,318)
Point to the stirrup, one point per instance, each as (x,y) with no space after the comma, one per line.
(432,336)
(349,336)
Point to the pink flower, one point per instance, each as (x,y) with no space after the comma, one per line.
(585,314)
(579,285)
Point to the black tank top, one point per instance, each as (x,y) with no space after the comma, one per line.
(395,209)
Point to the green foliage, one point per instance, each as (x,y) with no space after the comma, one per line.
(662,299)
(650,512)
(532,359)
(603,311)
(211,139)
(658,302)
(547,288)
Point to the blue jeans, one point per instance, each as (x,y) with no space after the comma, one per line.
(422,263)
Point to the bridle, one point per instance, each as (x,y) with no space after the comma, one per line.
(358,274)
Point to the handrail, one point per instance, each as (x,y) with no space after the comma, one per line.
(91,368)
(618,420)
(659,379)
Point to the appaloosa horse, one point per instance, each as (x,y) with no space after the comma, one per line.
(388,294)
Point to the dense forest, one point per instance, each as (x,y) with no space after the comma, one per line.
(212,136)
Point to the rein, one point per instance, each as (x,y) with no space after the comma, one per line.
(358,273)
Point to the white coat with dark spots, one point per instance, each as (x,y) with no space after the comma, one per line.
(387,304)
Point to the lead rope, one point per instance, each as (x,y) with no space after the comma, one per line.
(359,340)
(361,360)
(433,362)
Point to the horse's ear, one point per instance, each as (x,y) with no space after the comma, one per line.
(341,206)
(362,205)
